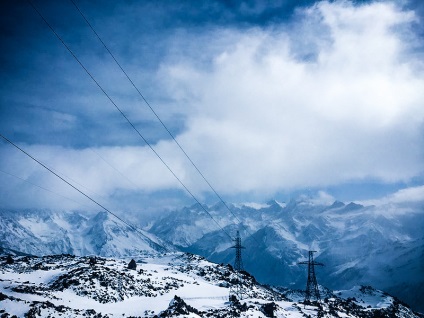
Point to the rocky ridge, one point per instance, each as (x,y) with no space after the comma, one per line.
(167,285)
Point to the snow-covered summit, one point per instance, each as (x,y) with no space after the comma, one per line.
(43,232)
(167,285)
(359,244)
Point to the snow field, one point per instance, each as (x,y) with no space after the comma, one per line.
(171,283)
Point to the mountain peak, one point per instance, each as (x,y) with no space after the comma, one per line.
(353,206)
(42,233)
(337,204)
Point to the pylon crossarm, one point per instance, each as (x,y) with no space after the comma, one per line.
(316,263)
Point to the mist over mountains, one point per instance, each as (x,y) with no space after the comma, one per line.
(46,232)
(379,246)
(382,246)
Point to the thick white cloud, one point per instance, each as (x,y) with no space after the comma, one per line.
(266,119)
(97,172)
(335,97)
(412,195)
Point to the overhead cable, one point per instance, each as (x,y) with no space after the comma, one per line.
(126,118)
(42,188)
(84,194)
(156,115)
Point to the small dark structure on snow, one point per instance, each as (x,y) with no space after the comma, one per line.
(132,265)
(9,260)
(92,261)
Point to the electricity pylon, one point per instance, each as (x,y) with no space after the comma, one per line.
(311,285)
(238,266)
(238,263)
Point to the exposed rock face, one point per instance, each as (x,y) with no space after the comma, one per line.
(173,285)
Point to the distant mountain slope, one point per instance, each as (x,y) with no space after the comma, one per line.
(368,245)
(43,232)
(359,245)
(171,285)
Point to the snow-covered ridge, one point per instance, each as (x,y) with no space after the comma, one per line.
(167,285)
(359,245)
(43,232)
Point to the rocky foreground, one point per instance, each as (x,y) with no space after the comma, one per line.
(166,285)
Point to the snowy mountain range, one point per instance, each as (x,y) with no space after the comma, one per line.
(381,246)
(167,285)
(45,232)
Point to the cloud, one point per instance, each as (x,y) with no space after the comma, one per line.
(332,97)
(265,119)
(414,194)
(411,195)
(322,198)
(101,173)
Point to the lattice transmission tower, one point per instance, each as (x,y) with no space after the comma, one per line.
(312,290)
(238,263)
(238,289)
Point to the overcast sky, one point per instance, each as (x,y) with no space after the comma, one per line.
(270,99)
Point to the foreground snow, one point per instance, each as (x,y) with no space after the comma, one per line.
(168,285)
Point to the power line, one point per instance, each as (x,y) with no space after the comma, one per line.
(122,113)
(78,183)
(157,116)
(86,195)
(42,188)
(110,165)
